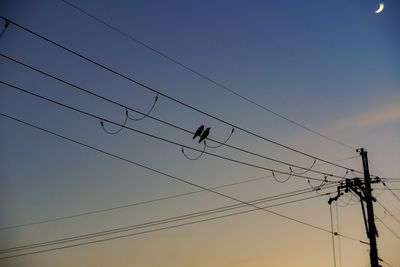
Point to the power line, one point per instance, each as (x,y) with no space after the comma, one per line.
(385,262)
(384,184)
(142,85)
(387,227)
(333,236)
(54,219)
(301,191)
(145,232)
(205,77)
(161,138)
(388,211)
(391,191)
(80,88)
(164,173)
(338,230)
(153,223)
(386,179)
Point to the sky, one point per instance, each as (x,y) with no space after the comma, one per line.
(331,66)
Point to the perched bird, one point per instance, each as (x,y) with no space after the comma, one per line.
(198,132)
(205,134)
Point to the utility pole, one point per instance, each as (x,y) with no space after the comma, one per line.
(364,191)
(371,229)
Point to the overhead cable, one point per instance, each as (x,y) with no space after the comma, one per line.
(388,211)
(387,227)
(205,77)
(166,174)
(300,191)
(142,85)
(80,88)
(332,235)
(338,230)
(149,224)
(145,232)
(54,219)
(154,136)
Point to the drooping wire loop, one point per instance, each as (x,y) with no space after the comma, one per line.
(202,133)
(6,24)
(226,140)
(197,157)
(354,175)
(284,180)
(318,187)
(346,202)
(345,175)
(304,172)
(146,114)
(118,130)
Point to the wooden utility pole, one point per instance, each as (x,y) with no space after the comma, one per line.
(369,199)
(364,191)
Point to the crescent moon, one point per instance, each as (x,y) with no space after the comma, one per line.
(380,8)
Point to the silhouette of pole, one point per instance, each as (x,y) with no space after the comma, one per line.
(371,231)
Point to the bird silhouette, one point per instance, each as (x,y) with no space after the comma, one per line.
(198,132)
(205,134)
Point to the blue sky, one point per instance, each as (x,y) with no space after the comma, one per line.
(330,65)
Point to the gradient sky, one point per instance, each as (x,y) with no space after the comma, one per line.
(333,66)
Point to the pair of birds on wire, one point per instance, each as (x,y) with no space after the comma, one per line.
(203,134)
